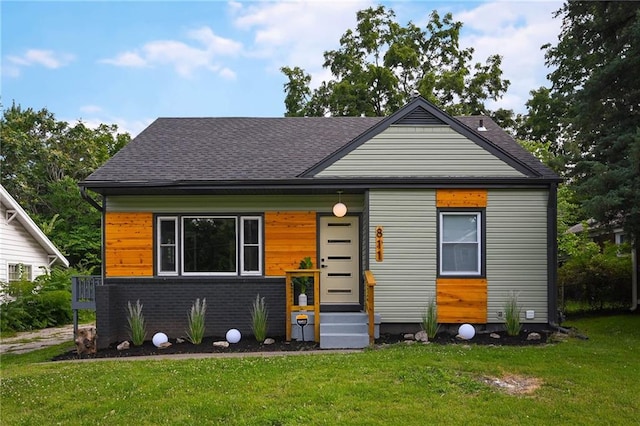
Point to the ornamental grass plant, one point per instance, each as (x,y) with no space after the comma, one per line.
(259,318)
(430,319)
(137,326)
(195,317)
(512,315)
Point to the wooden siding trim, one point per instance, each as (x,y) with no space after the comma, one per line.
(461,198)
(128,248)
(289,237)
(461,300)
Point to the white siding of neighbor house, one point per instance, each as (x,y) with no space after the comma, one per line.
(232,203)
(18,246)
(517,251)
(419,151)
(405,279)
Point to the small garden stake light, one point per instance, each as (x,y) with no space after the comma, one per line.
(302,321)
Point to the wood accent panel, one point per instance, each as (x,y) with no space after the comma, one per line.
(461,198)
(128,244)
(461,300)
(289,237)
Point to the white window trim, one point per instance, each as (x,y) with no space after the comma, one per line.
(478,215)
(242,246)
(159,245)
(29,275)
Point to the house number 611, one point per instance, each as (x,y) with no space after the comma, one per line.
(379,244)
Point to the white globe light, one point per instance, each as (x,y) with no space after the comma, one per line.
(159,339)
(466,331)
(233,336)
(339,210)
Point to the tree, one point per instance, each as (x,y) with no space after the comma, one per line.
(595,80)
(380,64)
(42,161)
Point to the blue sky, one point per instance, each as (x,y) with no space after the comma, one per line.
(128,62)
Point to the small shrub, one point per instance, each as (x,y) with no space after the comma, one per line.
(195,317)
(137,327)
(430,319)
(259,317)
(512,315)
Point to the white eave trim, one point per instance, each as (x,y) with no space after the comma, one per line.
(31,227)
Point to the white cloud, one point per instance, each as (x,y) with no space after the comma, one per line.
(184,57)
(297,33)
(90,109)
(46,58)
(126,59)
(516,31)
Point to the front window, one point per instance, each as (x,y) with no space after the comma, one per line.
(209,245)
(460,243)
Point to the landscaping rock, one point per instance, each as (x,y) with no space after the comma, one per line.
(409,336)
(124,345)
(221,344)
(534,336)
(179,340)
(269,341)
(494,335)
(421,336)
(164,345)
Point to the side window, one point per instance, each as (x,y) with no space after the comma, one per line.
(19,272)
(460,243)
(251,239)
(167,246)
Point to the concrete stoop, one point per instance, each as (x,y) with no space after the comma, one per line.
(338,330)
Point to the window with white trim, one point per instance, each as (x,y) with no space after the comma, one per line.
(167,245)
(209,245)
(18,272)
(460,245)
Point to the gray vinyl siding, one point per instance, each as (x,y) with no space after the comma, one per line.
(406,276)
(419,151)
(231,203)
(516,245)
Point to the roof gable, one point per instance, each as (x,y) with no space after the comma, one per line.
(19,214)
(423,113)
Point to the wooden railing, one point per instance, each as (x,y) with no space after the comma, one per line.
(370,283)
(291,306)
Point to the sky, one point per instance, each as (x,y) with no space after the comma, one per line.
(130,62)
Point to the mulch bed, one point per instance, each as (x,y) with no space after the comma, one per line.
(251,345)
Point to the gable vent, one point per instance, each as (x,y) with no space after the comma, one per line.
(419,116)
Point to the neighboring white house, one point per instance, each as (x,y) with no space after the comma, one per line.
(24,249)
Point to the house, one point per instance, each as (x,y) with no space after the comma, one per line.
(218,208)
(25,251)
(615,234)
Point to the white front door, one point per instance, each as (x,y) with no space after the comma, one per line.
(339,260)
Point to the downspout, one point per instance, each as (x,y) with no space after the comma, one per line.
(85,196)
(552,254)
(634,276)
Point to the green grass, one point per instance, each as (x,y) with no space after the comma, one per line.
(582,382)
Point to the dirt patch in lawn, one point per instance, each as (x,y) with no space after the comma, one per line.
(514,384)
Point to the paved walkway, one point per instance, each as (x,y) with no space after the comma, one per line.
(28,341)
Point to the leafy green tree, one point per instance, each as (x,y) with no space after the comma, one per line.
(41,162)
(380,64)
(595,82)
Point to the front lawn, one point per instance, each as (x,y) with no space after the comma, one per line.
(592,381)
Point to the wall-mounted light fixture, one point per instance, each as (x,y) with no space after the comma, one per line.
(339,209)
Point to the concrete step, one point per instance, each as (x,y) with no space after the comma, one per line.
(358,328)
(344,341)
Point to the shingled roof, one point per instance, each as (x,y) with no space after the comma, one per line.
(227,149)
